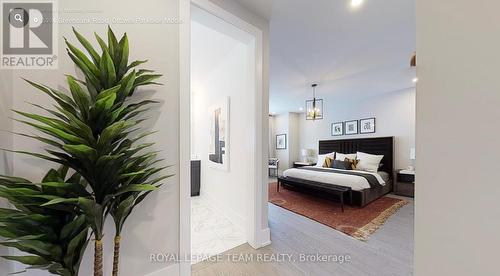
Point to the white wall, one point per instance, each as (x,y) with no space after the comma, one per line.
(294,143)
(394,113)
(5,122)
(287,123)
(262,24)
(221,66)
(5,143)
(154,226)
(282,126)
(457,204)
(272,138)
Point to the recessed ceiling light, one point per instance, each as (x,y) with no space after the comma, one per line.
(415,80)
(301,108)
(356,3)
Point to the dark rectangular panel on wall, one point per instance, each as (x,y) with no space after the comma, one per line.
(195,177)
(379,146)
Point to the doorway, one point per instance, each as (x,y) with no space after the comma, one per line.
(225,106)
(222,88)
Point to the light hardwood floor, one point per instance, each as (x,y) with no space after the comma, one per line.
(388,252)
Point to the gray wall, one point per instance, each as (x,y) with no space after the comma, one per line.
(5,122)
(457,216)
(6,143)
(287,123)
(282,126)
(154,226)
(394,113)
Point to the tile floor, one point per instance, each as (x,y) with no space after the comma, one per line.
(211,233)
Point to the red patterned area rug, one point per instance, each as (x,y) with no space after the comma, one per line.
(356,222)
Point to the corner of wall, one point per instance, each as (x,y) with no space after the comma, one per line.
(6,141)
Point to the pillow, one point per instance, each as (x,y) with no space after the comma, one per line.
(328,162)
(342,157)
(341,165)
(321,158)
(368,162)
(352,162)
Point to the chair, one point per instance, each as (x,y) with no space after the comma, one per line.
(274,165)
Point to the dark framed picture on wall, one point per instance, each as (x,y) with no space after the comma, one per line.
(281,141)
(218,146)
(367,125)
(338,129)
(351,127)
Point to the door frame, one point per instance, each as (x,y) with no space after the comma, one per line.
(258,233)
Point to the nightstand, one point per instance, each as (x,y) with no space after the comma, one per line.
(302,164)
(404,184)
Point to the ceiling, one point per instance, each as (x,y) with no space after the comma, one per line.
(351,53)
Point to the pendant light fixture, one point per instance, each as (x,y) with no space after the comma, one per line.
(314,107)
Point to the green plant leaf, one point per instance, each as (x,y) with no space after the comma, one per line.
(127,84)
(56,132)
(54,123)
(112,44)
(136,63)
(69,106)
(144,71)
(72,228)
(89,74)
(81,151)
(73,246)
(53,112)
(85,43)
(104,46)
(122,211)
(28,260)
(146,79)
(36,247)
(135,188)
(107,70)
(83,58)
(122,55)
(41,139)
(81,98)
(60,200)
(37,155)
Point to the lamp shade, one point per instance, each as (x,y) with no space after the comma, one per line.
(306,152)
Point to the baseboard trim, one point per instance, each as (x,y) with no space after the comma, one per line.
(171,270)
(264,238)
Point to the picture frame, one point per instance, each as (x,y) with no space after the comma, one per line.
(218,144)
(281,141)
(337,129)
(367,125)
(351,127)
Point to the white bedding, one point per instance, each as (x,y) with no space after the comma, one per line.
(357,183)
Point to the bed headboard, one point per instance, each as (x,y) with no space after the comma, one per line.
(379,146)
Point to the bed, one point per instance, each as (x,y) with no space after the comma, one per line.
(324,181)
